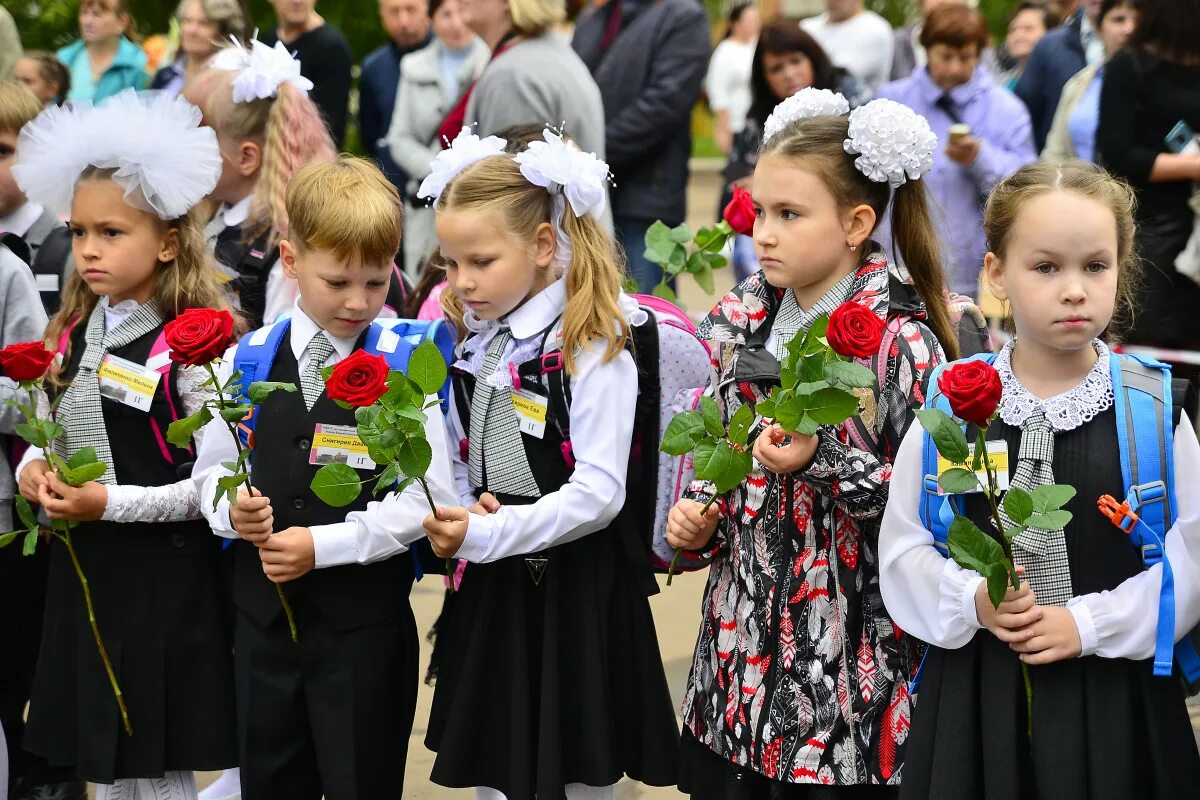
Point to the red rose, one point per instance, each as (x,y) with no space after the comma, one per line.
(740,212)
(26,361)
(359,380)
(973,389)
(854,331)
(199,336)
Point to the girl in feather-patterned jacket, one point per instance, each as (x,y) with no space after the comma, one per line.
(799,676)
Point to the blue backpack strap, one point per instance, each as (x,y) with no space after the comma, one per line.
(254,357)
(1145,435)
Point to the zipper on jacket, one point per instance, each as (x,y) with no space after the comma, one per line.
(785,550)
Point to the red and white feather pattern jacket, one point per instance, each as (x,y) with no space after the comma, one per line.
(799,673)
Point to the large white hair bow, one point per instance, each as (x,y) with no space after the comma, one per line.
(163,158)
(261,70)
(804,104)
(465,150)
(893,143)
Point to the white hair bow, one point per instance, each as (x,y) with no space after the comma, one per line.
(465,150)
(261,70)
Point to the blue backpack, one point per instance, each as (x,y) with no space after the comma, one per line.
(1142,388)
(394,339)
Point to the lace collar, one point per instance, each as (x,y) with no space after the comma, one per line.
(1066,411)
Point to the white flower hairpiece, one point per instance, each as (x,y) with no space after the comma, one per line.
(261,70)
(465,150)
(893,143)
(562,168)
(804,104)
(162,156)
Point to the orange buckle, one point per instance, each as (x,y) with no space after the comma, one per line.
(1119,514)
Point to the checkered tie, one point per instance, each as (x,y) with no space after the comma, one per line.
(501,455)
(789,321)
(1043,554)
(311,383)
(79,411)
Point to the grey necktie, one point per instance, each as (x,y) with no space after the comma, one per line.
(498,449)
(311,384)
(1043,554)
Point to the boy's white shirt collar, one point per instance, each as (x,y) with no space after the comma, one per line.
(236,214)
(304,329)
(22,219)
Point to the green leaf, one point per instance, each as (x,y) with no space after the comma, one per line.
(949,438)
(1054,520)
(8,538)
(25,513)
(336,485)
(31,433)
(721,464)
(664,291)
(1018,505)
(1051,497)
(957,480)
(677,261)
(259,390)
(831,406)
(390,475)
(807,426)
(790,415)
(414,415)
(24,409)
(235,413)
(713,422)
(367,415)
(766,407)
(413,456)
(83,457)
(979,450)
(739,425)
(180,432)
(681,234)
(704,278)
(997,583)
(1012,533)
(971,548)
(848,375)
(659,244)
(29,546)
(711,240)
(228,485)
(88,472)
(427,368)
(684,431)
(717,262)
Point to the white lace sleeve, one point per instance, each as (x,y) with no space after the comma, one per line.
(176,501)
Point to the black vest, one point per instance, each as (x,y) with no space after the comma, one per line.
(350,596)
(251,263)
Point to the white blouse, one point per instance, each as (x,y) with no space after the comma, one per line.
(933,598)
(603,398)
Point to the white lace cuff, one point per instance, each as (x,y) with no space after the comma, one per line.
(172,503)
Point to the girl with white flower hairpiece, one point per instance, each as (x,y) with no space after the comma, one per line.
(130,173)
(550,631)
(799,676)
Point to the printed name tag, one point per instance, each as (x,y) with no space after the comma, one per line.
(998,454)
(339,444)
(531,412)
(127,382)
(47,283)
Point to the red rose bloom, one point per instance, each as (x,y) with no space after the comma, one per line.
(973,389)
(25,361)
(854,331)
(740,212)
(199,336)
(359,380)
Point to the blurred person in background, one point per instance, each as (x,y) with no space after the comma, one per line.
(728,81)
(204,27)
(104,61)
(1029,23)
(45,76)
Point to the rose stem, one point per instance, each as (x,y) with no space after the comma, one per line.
(433,508)
(65,536)
(679,550)
(237,441)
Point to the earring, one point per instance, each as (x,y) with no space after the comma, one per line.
(853,247)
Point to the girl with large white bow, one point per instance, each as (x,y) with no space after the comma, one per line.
(550,630)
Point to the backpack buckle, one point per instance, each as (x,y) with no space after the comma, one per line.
(1119,514)
(552,362)
(1151,554)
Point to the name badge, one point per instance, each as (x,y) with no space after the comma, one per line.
(997,454)
(127,382)
(339,444)
(47,282)
(531,412)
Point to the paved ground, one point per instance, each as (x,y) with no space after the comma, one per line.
(676,609)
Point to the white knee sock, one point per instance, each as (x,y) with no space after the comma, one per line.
(488,793)
(123,789)
(171,786)
(580,791)
(229,784)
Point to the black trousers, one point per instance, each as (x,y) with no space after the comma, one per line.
(328,716)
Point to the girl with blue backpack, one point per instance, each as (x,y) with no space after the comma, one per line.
(1091,623)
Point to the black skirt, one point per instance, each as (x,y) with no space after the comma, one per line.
(542,684)
(157,591)
(1102,728)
